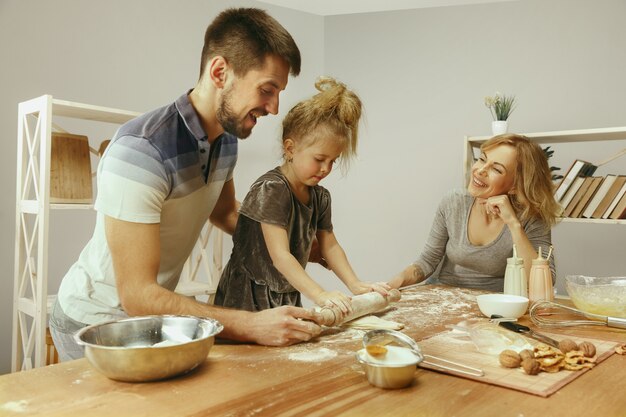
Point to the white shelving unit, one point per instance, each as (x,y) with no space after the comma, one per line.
(473,143)
(31,302)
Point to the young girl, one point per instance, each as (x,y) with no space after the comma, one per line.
(286,210)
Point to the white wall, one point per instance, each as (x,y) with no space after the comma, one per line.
(134,55)
(422,75)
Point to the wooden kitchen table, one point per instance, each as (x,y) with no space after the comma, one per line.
(316,378)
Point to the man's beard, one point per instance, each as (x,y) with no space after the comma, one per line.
(227,118)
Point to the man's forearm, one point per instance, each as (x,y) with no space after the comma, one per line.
(156,300)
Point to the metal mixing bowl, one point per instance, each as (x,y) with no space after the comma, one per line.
(388,375)
(148,348)
(598,295)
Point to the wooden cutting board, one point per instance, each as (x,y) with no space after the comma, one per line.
(445,345)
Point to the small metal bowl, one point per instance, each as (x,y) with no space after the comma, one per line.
(148,348)
(397,370)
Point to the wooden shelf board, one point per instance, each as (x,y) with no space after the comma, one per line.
(89,112)
(564,136)
(32,206)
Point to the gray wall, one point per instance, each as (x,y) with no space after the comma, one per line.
(422,75)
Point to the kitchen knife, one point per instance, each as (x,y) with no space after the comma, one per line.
(526,331)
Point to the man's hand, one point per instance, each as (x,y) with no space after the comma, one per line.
(284,326)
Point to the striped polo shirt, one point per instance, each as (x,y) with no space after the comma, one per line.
(159,168)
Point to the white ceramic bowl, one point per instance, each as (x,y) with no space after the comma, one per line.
(505,305)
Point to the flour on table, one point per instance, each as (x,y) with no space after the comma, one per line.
(373,323)
(432,306)
(15,406)
(314,355)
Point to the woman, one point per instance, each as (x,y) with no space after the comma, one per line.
(509,200)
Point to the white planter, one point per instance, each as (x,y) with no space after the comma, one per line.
(499,127)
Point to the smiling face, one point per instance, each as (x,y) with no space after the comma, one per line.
(494,172)
(311,162)
(245,99)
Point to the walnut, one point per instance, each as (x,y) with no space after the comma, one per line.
(527,354)
(531,366)
(567,345)
(510,359)
(588,349)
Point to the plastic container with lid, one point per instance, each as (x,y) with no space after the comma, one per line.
(515,282)
(540,281)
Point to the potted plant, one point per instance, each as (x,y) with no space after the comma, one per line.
(549,152)
(501,106)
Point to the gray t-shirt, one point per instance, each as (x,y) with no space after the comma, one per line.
(271,201)
(464,264)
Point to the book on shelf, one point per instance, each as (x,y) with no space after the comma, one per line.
(620,210)
(577,197)
(615,202)
(579,168)
(604,188)
(571,192)
(588,196)
(608,198)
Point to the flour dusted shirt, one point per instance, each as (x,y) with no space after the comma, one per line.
(464,264)
(159,168)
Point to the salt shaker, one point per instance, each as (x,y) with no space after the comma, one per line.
(540,281)
(515,276)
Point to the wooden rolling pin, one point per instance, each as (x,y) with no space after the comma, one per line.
(362,305)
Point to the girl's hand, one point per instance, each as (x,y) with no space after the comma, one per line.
(500,206)
(361,287)
(336,300)
(397,281)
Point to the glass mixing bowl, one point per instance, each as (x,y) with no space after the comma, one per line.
(598,295)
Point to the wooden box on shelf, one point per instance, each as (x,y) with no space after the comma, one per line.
(70,169)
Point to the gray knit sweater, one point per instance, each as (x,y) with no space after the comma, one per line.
(464,264)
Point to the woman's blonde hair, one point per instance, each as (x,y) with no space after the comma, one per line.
(533,194)
(335,110)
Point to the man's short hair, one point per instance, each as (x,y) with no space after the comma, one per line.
(244,37)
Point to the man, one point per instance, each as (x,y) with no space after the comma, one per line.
(163,174)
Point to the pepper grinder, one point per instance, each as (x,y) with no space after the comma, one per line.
(540,281)
(515,282)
